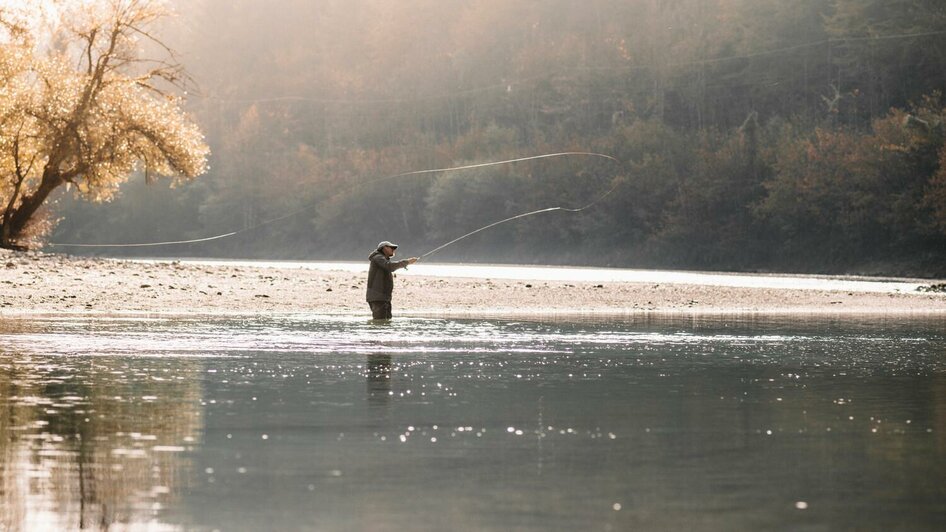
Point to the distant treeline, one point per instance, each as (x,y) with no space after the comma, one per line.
(801,135)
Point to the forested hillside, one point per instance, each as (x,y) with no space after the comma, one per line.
(794,135)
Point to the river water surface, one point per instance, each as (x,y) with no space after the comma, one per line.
(338,423)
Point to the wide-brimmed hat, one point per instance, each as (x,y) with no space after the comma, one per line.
(391,245)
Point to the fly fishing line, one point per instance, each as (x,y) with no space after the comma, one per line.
(361,185)
(516,217)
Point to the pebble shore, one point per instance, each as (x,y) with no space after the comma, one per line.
(41,283)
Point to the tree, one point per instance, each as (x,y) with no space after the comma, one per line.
(891,51)
(838,193)
(82,105)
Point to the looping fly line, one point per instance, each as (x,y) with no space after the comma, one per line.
(516,217)
(385,178)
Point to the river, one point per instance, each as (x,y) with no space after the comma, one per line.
(312,422)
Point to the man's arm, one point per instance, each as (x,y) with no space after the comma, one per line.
(389,265)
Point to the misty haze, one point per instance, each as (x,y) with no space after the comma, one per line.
(757,135)
(530,265)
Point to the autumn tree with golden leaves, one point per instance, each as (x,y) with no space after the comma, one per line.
(83,105)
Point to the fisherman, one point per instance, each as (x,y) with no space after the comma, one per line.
(381,279)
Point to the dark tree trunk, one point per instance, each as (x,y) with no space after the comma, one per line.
(16,223)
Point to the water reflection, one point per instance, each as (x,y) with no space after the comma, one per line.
(379,373)
(939,411)
(331,423)
(91,443)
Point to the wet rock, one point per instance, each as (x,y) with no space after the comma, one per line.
(937,288)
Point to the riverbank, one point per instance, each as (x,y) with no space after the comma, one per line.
(40,283)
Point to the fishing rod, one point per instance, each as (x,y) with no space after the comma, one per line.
(516,217)
(346,191)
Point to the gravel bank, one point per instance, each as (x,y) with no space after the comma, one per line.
(40,283)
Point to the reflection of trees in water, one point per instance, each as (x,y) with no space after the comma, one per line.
(94,441)
(939,411)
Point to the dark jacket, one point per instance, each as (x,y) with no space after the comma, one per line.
(380,279)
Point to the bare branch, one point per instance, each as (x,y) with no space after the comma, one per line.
(154,39)
(88,49)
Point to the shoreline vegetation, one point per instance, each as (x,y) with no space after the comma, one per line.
(36,284)
(747,135)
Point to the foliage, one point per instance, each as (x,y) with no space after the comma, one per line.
(847,194)
(753,134)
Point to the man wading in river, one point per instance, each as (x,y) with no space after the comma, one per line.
(381,279)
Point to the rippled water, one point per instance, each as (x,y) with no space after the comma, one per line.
(335,423)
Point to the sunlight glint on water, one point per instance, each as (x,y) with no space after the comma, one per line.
(328,422)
